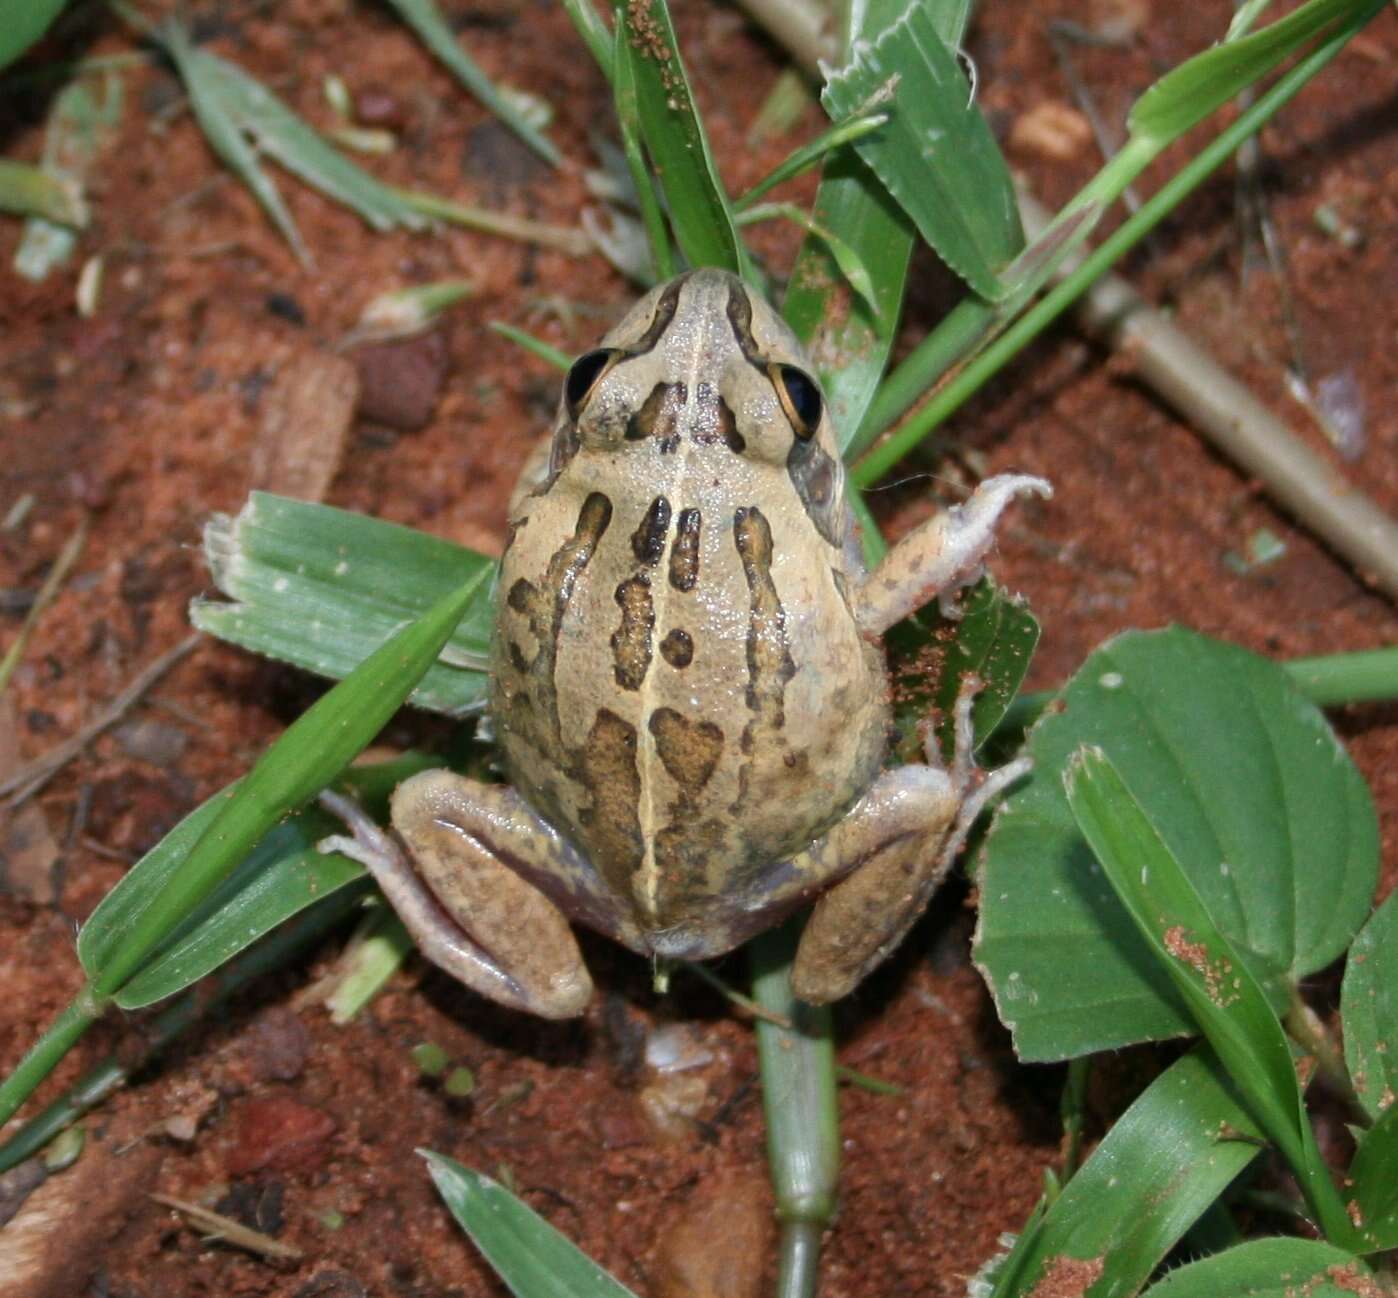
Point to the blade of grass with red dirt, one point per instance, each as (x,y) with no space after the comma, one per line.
(1226,1001)
(312,752)
(1159,1167)
(674,136)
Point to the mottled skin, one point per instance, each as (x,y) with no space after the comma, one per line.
(688,688)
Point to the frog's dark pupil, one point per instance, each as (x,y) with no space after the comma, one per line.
(585,372)
(804,396)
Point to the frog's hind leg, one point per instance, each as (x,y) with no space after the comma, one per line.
(894,847)
(460,889)
(940,556)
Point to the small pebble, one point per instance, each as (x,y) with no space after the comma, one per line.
(1052,130)
(400,382)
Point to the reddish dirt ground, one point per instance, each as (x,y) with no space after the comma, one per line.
(143,419)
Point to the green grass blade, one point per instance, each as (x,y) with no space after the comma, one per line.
(79,125)
(1070,229)
(806,157)
(528,1254)
(547,353)
(426,20)
(628,116)
(675,139)
(30,191)
(851,266)
(282,875)
(936,155)
(1184,97)
(1369,1010)
(848,340)
(273,952)
(232,108)
(1223,997)
(312,752)
(1157,1170)
(1271,1268)
(25,21)
(593,32)
(320,587)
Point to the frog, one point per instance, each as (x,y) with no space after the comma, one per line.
(688,686)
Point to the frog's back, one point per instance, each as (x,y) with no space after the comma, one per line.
(680,686)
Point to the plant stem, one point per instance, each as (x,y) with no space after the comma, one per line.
(274,951)
(1310,1033)
(799,1101)
(969,380)
(43,1056)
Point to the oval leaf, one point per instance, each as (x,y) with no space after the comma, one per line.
(1369,1008)
(1271,1268)
(1253,795)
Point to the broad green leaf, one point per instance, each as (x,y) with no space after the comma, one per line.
(1192,91)
(1372,1183)
(426,20)
(675,139)
(1162,1163)
(994,639)
(1253,795)
(1224,999)
(848,339)
(528,1254)
(23,23)
(78,128)
(1272,1268)
(936,155)
(243,119)
(1369,1009)
(308,756)
(26,190)
(320,587)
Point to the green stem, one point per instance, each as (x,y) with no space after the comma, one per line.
(44,1055)
(1310,1033)
(274,951)
(968,381)
(799,1101)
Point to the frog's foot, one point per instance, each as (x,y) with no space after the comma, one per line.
(894,847)
(459,894)
(939,557)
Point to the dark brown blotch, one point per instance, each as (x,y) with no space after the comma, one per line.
(684,554)
(689,750)
(659,416)
(607,769)
(678,648)
(816,478)
(728,427)
(631,641)
(740,320)
(660,321)
(648,540)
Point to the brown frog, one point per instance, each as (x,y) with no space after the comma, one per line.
(688,687)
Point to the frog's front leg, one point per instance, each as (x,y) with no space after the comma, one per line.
(894,848)
(467,887)
(941,555)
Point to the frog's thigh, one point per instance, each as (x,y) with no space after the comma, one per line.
(469,911)
(891,842)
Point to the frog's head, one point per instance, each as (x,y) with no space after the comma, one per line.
(703,360)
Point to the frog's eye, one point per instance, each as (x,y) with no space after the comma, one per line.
(584,376)
(800,398)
